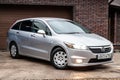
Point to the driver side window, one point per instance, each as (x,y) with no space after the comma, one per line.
(40,26)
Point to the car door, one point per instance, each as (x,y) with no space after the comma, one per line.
(23,37)
(40,45)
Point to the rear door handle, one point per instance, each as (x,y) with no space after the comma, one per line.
(17,32)
(32,35)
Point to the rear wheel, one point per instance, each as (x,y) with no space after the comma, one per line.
(14,51)
(59,58)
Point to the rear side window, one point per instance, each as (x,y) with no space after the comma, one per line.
(26,25)
(16,26)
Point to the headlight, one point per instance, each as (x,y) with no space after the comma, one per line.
(75,46)
(80,47)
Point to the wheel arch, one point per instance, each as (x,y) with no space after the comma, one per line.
(12,42)
(57,46)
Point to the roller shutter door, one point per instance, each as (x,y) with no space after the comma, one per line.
(10,13)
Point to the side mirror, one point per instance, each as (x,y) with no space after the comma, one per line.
(41,32)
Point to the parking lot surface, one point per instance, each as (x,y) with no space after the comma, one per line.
(34,69)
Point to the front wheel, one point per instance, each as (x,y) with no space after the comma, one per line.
(59,58)
(14,51)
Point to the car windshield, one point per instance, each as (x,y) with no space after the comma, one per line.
(67,27)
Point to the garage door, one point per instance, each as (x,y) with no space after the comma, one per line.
(10,13)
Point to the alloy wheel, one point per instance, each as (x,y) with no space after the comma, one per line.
(13,50)
(60,59)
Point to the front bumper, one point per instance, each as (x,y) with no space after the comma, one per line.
(87,58)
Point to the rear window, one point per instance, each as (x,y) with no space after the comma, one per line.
(16,26)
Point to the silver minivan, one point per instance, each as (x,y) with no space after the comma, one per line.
(61,41)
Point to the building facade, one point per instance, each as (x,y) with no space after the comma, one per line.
(92,14)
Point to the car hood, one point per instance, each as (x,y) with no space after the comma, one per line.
(84,39)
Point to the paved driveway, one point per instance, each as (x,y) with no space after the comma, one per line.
(32,69)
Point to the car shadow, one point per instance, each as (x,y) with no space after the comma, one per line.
(48,64)
(35,60)
(90,68)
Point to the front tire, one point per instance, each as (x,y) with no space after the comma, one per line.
(14,51)
(59,58)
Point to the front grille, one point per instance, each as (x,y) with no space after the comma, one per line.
(101,60)
(100,49)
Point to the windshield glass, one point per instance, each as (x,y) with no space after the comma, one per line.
(67,27)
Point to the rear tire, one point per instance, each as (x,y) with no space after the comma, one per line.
(59,58)
(14,51)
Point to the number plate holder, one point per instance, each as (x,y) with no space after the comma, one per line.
(104,56)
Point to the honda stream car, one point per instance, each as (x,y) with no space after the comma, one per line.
(61,41)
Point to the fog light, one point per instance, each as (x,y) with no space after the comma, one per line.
(79,60)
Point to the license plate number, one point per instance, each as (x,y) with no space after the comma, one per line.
(104,56)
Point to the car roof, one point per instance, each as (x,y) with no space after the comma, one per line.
(42,18)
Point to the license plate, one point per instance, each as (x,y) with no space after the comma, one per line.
(104,56)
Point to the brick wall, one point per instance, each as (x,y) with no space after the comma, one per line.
(90,13)
(94,15)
